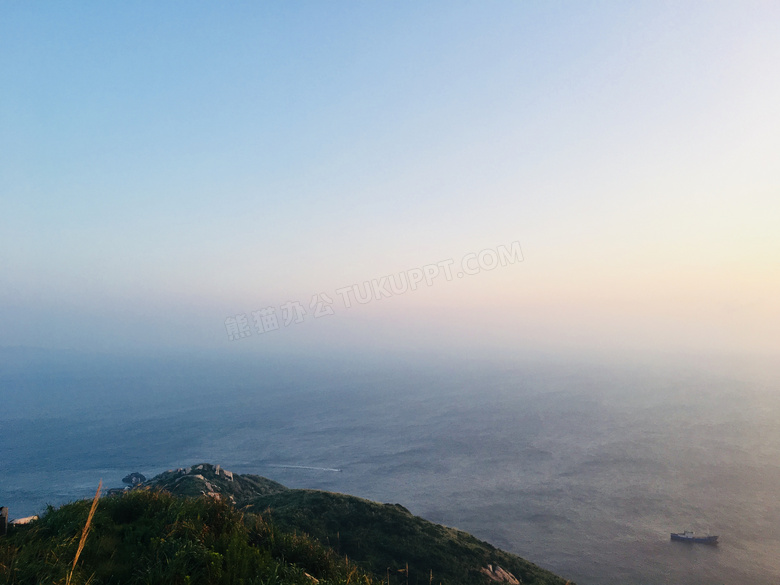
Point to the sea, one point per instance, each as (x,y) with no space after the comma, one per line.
(582,465)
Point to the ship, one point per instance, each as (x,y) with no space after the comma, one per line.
(690,536)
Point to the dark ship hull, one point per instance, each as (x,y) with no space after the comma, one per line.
(691,537)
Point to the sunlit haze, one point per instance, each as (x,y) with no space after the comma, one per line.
(165,169)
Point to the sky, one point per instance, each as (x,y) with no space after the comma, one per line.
(170,170)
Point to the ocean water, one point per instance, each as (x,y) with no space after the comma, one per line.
(582,467)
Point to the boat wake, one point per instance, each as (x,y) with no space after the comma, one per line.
(304,467)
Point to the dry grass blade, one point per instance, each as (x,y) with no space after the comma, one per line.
(85,532)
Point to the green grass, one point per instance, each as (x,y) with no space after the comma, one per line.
(383,536)
(255,531)
(154,537)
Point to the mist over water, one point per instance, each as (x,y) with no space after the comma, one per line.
(583,468)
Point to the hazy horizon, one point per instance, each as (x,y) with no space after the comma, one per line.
(163,170)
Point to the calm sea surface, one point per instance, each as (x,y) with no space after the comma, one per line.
(584,469)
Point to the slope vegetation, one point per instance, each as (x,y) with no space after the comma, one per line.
(204,524)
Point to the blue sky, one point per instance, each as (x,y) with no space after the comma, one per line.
(165,166)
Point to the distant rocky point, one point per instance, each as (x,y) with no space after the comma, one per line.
(134,478)
(206,479)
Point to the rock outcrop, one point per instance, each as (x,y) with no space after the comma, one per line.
(134,478)
(214,481)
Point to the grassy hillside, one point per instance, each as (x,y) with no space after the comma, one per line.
(154,537)
(203,524)
(386,536)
